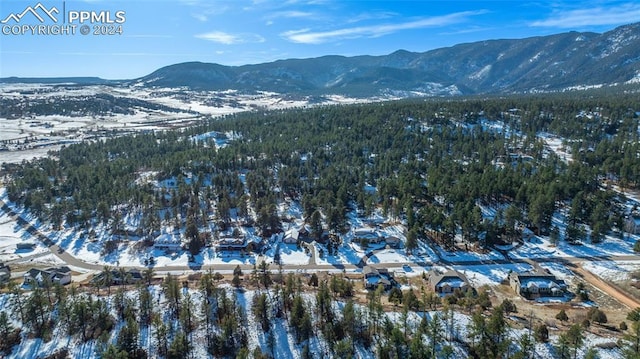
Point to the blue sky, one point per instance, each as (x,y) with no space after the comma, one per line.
(237,32)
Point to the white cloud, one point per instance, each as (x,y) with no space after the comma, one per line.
(230,39)
(623,14)
(203,11)
(290,14)
(190,2)
(306,36)
(469,30)
(200,17)
(372,16)
(151,36)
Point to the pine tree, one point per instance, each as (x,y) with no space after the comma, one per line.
(412,240)
(575,338)
(128,337)
(541,333)
(562,316)
(113,352)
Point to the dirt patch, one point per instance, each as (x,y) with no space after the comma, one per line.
(611,289)
(575,309)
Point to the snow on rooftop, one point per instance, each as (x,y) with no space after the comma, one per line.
(538,283)
(451,282)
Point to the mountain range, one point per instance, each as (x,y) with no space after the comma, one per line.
(537,64)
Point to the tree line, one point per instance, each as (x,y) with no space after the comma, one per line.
(322,315)
(431,162)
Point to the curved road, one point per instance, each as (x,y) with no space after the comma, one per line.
(76,262)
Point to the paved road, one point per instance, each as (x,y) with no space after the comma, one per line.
(77,262)
(57,251)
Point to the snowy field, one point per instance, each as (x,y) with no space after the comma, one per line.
(612,271)
(490,275)
(10,236)
(33,136)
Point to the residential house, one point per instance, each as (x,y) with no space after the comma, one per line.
(373,277)
(168,243)
(536,284)
(232,244)
(25,246)
(57,275)
(393,242)
(135,275)
(307,236)
(303,234)
(367,234)
(448,283)
(118,276)
(291,236)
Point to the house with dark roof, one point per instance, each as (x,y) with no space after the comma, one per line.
(118,277)
(448,283)
(373,277)
(536,284)
(134,275)
(57,275)
(231,244)
(393,242)
(370,235)
(25,246)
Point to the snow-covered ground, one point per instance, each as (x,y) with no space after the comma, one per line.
(490,275)
(456,327)
(555,144)
(468,256)
(612,271)
(11,234)
(34,136)
(541,247)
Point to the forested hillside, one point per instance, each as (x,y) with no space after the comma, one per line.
(271,315)
(429,161)
(555,62)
